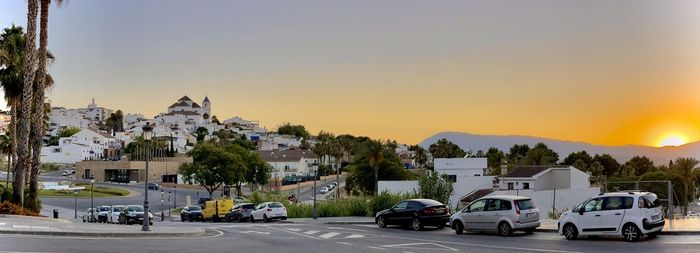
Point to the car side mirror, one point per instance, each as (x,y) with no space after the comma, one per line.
(580,211)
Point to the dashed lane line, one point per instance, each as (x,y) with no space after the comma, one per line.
(311,232)
(344,243)
(329,235)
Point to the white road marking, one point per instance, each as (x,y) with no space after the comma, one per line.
(421,245)
(2,224)
(253,231)
(344,243)
(484,245)
(372,247)
(32,227)
(350,229)
(292,232)
(293,229)
(329,235)
(353,236)
(311,232)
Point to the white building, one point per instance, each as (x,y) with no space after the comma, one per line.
(188,115)
(461,167)
(84,145)
(288,163)
(544,178)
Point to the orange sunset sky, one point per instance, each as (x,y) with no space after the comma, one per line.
(612,73)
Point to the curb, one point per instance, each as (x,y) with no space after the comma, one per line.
(103,234)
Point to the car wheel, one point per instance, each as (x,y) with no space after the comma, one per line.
(631,233)
(190,218)
(504,229)
(381,222)
(252,219)
(459,228)
(441,226)
(570,232)
(416,224)
(266,219)
(284,218)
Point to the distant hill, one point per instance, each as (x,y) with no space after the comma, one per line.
(660,155)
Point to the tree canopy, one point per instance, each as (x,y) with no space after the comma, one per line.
(362,169)
(296,130)
(444,148)
(541,155)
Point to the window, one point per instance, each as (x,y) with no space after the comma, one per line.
(401,205)
(593,205)
(477,206)
(525,204)
(526,186)
(477,175)
(498,205)
(510,186)
(650,200)
(616,203)
(452,178)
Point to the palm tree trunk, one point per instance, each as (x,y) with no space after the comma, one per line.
(337,178)
(376,180)
(13,135)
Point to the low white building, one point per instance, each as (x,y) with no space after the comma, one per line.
(84,145)
(289,163)
(544,178)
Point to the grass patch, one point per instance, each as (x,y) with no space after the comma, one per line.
(100,192)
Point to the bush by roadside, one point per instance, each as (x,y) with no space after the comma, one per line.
(8,208)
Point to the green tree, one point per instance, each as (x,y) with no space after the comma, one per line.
(374,160)
(582,155)
(683,167)
(421,156)
(540,154)
(494,157)
(213,166)
(444,148)
(215,120)
(639,165)
(516,155)
(435,186)
(295,130)
(201,133)
(581,165)
(610,165)
(116,121)
(596,170)
(68,132)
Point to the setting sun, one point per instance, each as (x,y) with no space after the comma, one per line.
(672,140)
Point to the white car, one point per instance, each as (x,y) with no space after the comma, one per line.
(627,214)
(693,214)
(324,190)
(114,214)
(268,211)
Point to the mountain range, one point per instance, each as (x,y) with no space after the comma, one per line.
(474,142)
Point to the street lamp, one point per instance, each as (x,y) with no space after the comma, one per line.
(147,136)
(92,196)
(75,195)
(162,200)
(315,166)
(170,204)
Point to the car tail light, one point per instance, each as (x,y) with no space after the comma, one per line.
(517,208)
(428,211)
(269,209)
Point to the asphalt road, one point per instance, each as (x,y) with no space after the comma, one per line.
(275,237)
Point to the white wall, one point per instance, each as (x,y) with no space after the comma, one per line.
(398,187)
(70,153)
(460,166)
(466,185)
(566,199)
(579,179)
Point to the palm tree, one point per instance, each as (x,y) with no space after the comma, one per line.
(12,43)
(6,148)
(375,156)
(683,168)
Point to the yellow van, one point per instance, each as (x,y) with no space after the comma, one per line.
(216,210)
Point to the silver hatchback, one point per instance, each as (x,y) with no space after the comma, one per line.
(503,214)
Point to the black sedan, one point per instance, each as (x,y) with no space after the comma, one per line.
(240,212)
(191,213)
(416,213)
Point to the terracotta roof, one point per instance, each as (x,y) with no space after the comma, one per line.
(195,105)
(181,103)
(286,155)
(529,171)
(185,98)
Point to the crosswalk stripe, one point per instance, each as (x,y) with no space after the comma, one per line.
(328,235)
(2,224)
(311,232)
(293,229)
(354,236)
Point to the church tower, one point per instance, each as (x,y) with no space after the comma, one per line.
(206,104)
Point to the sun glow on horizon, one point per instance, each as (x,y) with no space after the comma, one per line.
(672,140)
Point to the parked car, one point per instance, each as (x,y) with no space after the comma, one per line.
(335,184)
(65,173)
(268,211)
(215,210)
(693,214)
(103,213)
(153,186)
(114,213)
(503,214)
(324,190)
(414,212)
(627,214)
(134,214)
(240,212)
(89,215)
(239,199)
(191,213)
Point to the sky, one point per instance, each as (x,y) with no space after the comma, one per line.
(604,72)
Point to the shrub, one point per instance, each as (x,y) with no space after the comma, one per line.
(8,208)
(386,200)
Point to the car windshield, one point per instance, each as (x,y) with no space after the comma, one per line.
(104,208)
(248,206)
(134,209)
(275,205)
(117,209)
(651,201)
(195,208)
(525,204)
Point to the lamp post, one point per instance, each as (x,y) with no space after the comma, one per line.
(92,196)
(75,195)
(170,204)
(315,165)
(162,200)
(147,136)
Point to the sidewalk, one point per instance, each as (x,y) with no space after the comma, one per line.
(13,224)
